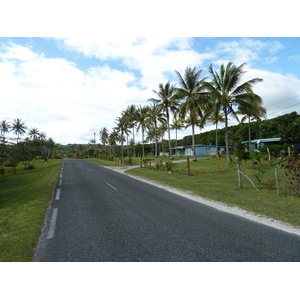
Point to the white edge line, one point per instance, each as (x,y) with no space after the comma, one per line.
(52,224)
(57,195)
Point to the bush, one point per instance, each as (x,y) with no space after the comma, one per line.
(293,174)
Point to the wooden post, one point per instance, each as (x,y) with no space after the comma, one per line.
(277,181)
(160,165)
(170,166)
(239,173)
(188,167)
(269,155)
(289,151)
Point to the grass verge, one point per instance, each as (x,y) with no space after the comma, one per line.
(24,201)
(222,186)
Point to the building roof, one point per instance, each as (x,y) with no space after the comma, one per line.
(258,141)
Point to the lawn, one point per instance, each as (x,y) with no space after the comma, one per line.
(24,201)
(222,186)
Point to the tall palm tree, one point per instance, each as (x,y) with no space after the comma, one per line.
(131,111)
(167,102)
(113,138)
(252,111)
(226,87)
(193,109)
(4,128)
(122,127)
(215,117)
(155,117)
(19,128)
(104,136)
(176,125)
(143,122)
(33,133)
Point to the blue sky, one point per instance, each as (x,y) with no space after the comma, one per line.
(67,86)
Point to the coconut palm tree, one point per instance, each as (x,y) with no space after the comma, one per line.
(33,133)
(226,87)
(143,122)
(122,127)
(176,125)
(4,128)
(104,136)
(193,109)
(155,117)
(252,111)
(19,128)
(131,111)
(167,102)
(113,138)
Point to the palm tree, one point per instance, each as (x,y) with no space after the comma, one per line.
(225,87)
(176,125)
(131,111)
(113,138)
(19,128)
(215,117)
(193,109)
(167,102)
(4,128)
(143,122)
(155,116)
(33,133)
(122,127)
(104,136)
(42,136)
(252,111)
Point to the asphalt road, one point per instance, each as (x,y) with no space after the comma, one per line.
(98,214)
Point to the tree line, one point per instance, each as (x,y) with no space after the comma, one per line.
(191,102)
(14,150)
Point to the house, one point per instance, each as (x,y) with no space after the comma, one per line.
(201,150)
(255,144)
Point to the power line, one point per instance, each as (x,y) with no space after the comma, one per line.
(244,41)
(250,48)
(283,100)
(284,109)
(276,54)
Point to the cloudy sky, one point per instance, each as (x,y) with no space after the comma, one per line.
(67,86)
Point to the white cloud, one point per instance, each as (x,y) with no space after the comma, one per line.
(60,99)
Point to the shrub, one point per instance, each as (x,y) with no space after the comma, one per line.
(292,171)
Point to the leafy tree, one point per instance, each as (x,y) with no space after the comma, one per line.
(19,128)
(225,87)
(193,109)
(143,123)
(4,128)
(167,102)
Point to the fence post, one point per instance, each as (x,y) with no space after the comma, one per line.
(239,172)
(188,166)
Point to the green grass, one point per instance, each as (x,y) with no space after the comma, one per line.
(24,201)
(223,187)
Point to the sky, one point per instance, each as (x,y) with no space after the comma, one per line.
(67,86)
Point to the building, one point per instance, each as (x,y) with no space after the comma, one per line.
(201,150)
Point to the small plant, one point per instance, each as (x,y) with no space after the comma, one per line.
(292,171)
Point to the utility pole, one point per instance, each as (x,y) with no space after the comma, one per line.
(94,131)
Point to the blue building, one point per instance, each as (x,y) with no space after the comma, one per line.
(201,150)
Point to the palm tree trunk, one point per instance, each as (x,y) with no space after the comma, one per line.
(249,131)
(229,160)
(133,141)
(176,143)
(193,142)
(170,149)
(143,143)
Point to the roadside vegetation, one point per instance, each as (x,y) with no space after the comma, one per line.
(24,201)
(222,186)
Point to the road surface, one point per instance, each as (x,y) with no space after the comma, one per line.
(98,214)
